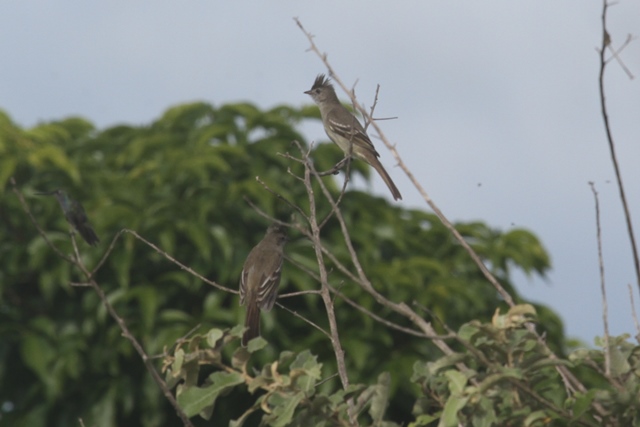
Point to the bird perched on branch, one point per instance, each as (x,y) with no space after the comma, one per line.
(345,130)
(260,278)
(75,215)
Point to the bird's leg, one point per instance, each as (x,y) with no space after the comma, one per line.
(336,169)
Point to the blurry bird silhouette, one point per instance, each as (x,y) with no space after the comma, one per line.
(75,215)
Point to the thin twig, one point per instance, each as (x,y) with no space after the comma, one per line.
(177,343)
(295,294)
(363,281)
(614,381)
(606,40)
(357,306)
(304,319)
(327,379)
(570,380)
(279,196)
(347,175)
(615,53)
(485,271)
(326,295)
(603,289)
(77,262)
(334,170)
(138,347)
(633,313)
(324,291)
(110,249)
(25,207)
(178,263)
(373,107)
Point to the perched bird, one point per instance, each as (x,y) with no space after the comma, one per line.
(75,214)
(345,130)
(260,278)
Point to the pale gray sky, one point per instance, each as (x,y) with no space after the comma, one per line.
(500,93)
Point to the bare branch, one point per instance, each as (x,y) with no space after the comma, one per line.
(570,380)
(485,271)
(304,319)
(362,280)
(178,263)
(279,196)
(326,295)
(77,262)
(347,174)
(110,249)
(295,294)
(355,305)
(25,207)
(606,41)
(615,53)
(139,349)
(334,170)
(603,290)
(633,313)
(385,322)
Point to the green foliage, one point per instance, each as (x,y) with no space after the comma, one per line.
(505,377)
(285,390)
(183,182)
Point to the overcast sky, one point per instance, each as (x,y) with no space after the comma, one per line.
(497,102)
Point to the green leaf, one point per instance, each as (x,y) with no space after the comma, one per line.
(304,360)
(237,331)
(380,399)
(420,371)
(445,362)
(240,421)
(240,358)
(535,418)
(457,381)
(283,408)
(450,412)
(468,330)
(306,371)
(195,399)
(256,344)
(619,362)
(423,420)
(213,336)
(176,366)
(582,403)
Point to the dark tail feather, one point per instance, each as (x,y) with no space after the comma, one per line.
(88,234)
(387,179)
(252,323)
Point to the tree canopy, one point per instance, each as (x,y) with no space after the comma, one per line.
(197,183)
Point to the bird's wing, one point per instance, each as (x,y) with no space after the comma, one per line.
(352,131)
(269,279)
(268,291)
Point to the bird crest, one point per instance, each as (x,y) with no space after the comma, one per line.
(321,81)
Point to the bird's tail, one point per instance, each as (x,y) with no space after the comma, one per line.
(373,161)
(88,234)
(252,323)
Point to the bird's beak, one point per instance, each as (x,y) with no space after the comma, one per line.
(308,92)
